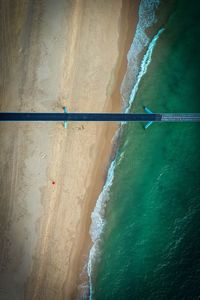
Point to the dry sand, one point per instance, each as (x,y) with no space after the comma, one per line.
(55,53)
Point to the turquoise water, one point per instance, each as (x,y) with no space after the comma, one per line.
(150,248)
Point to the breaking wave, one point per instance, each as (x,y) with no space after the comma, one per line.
(98,222)
(147,18)
(143,68)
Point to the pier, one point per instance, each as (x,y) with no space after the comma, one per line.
(111,117)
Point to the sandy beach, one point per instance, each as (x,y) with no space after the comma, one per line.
(55,54)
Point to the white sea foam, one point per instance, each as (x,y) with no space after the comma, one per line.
(143,68)
(98,221)
(147,18)
(129,88)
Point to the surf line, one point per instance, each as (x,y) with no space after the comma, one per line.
(98,221)
(143,68)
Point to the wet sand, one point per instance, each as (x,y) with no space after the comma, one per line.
(55,54)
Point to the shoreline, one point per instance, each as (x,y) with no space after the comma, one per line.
(142,56)
(108,131)
(153,29)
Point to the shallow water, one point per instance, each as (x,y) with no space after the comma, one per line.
(150,247)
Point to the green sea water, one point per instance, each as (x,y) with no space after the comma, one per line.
(150,247)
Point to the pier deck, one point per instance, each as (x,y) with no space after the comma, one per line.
(133,117)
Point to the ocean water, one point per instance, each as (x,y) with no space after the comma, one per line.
(146,225)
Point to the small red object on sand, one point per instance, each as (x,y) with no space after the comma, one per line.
(53,182)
